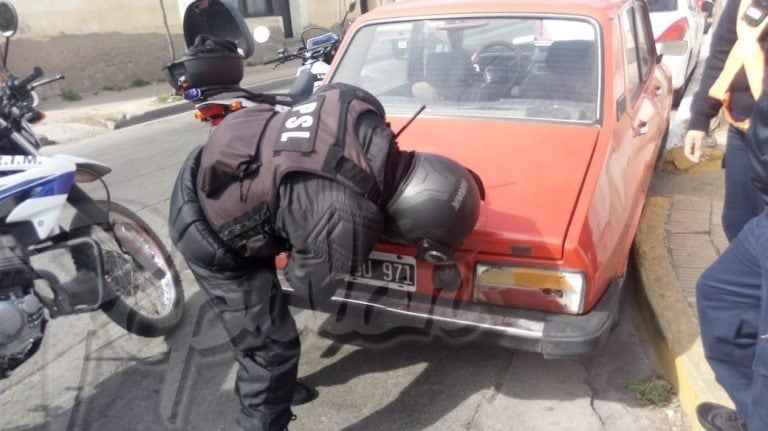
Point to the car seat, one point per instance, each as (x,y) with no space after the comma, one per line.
(569,73)
(446,76)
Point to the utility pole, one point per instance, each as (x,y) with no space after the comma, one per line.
(167,31)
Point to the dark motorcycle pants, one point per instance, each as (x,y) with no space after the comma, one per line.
(263,333)
(245,293)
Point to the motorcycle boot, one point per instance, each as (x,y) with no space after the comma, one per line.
(714,417)
(303,394)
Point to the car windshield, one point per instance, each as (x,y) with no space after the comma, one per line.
(521,67)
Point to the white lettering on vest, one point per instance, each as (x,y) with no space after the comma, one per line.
(302,121)
(294,122)
(306,108)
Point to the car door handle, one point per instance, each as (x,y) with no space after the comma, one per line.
(640,128)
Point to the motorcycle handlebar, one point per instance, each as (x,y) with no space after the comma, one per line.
(285,57)
(47,81)
(274,60)
(22,83)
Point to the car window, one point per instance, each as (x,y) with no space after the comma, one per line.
(662,5)
(508,67)
(631,62)
(645,45)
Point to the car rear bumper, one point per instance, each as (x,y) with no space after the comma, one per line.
(552,335)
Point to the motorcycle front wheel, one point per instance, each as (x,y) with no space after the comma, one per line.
(133,297)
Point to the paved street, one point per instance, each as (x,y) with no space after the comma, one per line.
(92,375)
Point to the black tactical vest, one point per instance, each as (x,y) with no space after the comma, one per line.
(248,154)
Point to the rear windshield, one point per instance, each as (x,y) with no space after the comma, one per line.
(531,67)
(662,5)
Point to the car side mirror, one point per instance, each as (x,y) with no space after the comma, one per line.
(673,47)
(707,6)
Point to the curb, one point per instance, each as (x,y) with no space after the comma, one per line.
(667,322)
(181,107)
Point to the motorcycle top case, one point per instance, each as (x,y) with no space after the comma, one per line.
(205,70)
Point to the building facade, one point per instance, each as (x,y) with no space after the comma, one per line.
(110,44)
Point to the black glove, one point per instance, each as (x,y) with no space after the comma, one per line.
(206,44)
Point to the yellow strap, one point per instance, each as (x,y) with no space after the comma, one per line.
(747,53)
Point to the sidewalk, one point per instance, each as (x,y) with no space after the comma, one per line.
(680,234)
(106,110)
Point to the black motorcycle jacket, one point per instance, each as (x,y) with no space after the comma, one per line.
(249,154)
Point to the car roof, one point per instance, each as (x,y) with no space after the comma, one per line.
(412,8)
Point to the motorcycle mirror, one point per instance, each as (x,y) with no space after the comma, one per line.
(261,34)
(351,6)
(9,20)
(303,86)
(217,18)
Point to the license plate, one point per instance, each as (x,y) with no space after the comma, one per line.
(389,270)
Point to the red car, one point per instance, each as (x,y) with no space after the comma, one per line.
(561,107)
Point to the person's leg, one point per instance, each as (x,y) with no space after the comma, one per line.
(742,199)
(758,408)
(728,301)
(263,333)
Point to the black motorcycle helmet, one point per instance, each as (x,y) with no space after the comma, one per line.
(217,41)
(435,207)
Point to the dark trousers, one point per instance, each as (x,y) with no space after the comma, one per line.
(732,300)
(742,199)
(263,333)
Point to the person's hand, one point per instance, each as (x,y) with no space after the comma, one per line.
(692,144)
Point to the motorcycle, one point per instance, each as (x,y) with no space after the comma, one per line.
(216,91)
(107,259)
(221,20)
(316,52)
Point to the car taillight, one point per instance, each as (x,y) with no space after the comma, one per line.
(676,31)
(526,287)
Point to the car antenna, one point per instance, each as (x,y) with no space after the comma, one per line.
(410,121)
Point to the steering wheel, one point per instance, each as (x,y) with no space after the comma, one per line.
(504,69)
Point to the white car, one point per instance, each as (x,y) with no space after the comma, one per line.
(678,20)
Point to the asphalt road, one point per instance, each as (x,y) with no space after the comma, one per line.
(92,375)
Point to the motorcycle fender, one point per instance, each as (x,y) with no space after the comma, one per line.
(87,170)
(49,179)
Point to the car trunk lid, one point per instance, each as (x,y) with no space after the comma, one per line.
(532,172)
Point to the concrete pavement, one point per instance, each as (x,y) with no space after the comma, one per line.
(678,236)
(105,110)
